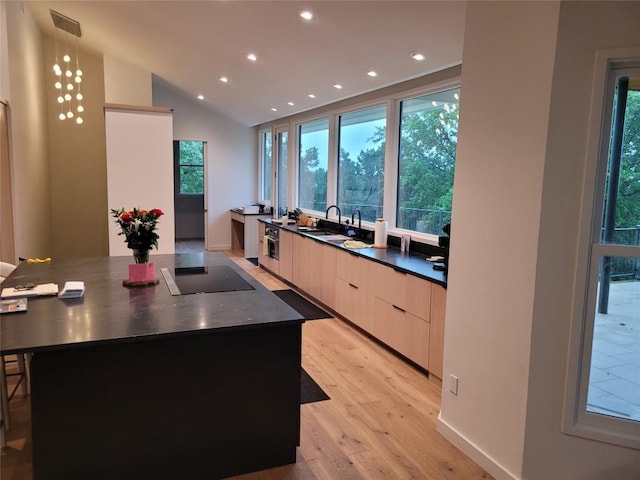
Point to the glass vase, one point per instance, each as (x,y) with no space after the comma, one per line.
(141,255)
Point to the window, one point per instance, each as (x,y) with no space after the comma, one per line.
(603,399)
(266,165)
(282,155)
(426,161)
(313,163)
(190,166)
(361,146)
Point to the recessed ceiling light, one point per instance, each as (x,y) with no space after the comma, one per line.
(291,104)
(252,57)
(224,79)
(311,95)
(371,73)
(418,56)
(306,14)
(201,97)
(273,109)
(338,86)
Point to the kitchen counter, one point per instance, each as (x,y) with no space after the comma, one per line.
(391,256)
(145,384)
(244,231)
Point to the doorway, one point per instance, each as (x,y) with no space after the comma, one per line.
(189,170)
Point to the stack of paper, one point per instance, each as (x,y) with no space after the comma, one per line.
(37,290)
(72,289)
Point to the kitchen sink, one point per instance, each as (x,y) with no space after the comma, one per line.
(332,237)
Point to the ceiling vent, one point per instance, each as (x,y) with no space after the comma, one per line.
(65,23)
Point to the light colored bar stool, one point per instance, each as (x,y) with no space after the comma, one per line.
(20,369)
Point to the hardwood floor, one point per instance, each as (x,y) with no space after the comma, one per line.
(379,424)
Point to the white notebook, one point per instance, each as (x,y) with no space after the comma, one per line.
(72,289)
(36,291)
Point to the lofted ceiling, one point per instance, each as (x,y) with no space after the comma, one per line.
(191,45)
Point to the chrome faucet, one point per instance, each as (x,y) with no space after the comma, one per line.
(359,218)
(339,213)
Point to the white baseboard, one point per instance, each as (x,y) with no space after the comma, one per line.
(472,451)
(215,248)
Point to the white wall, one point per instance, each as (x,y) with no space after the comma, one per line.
(28,131)
(140,171)
(126,84)
(526,79)
(232,169)
(585,27)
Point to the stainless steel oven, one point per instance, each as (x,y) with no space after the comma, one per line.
(272,237)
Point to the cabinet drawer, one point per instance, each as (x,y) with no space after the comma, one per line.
(419,297)
(389,285)
(351,303)
(402,331)
(350,268)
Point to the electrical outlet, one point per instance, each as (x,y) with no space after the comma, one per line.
(453,384)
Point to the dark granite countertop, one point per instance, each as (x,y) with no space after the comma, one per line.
(411,263)
(109,312)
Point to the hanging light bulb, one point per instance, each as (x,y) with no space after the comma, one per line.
(68,91)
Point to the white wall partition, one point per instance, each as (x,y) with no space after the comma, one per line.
(140,169)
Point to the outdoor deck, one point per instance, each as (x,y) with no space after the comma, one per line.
(614,386)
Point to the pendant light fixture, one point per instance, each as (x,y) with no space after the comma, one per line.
(68,82)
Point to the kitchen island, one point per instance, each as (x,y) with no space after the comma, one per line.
(140,383)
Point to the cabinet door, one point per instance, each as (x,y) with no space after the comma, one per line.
(301,262)
(286,255)
(436,341)
(327,291)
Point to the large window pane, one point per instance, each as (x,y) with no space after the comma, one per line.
(361,162)
(191,164)
(266,163)
(614,374)
(282,149)
(313,161)
(428,139)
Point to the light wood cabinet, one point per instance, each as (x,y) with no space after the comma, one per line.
(436,341)
(286,254)
(352,295)
(303,263)
(327,291)
(401,312)
(404,311)
(314,268)
(402,331)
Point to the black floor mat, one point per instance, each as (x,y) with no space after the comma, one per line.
(310,391)
(253,260)
(303,306)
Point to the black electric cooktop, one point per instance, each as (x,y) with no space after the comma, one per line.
(208,279)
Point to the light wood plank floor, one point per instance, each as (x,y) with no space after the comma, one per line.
(379,424)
